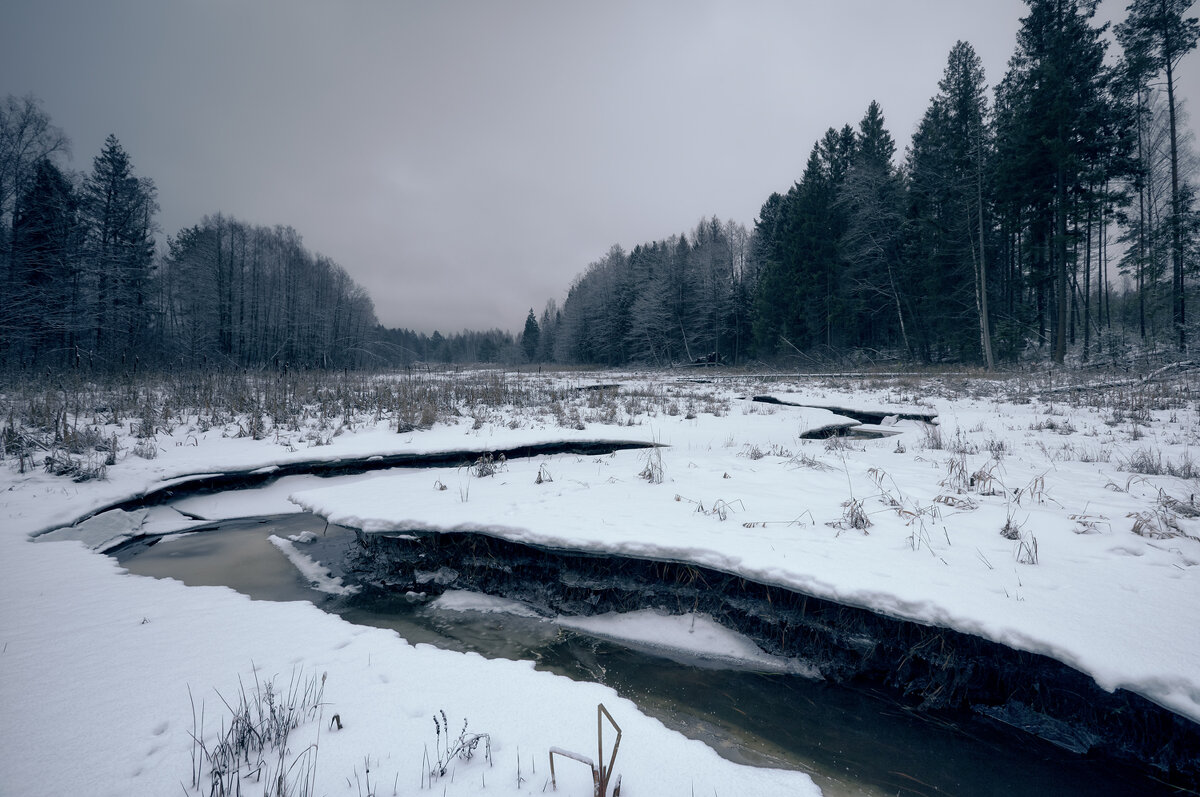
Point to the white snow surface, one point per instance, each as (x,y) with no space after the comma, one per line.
(271,499)
(96,664)
(1121,607)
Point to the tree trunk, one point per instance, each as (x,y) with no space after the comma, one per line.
(1087,288)
(1060,254)
(981,297)
(1176,229)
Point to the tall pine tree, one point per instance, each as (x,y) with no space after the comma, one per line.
(529,337)
(44,295)
(120,209)
(946,168)
(1157,33)
(1056,92)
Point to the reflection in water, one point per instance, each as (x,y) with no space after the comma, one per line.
(851,742)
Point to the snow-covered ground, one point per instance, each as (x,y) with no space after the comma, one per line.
(96,665)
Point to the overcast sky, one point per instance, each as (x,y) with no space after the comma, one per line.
(463,161)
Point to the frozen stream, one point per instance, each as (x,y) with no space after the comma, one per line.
(851,742)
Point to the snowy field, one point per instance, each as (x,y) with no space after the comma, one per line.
(1038,518)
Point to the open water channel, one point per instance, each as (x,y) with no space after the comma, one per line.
(851,742)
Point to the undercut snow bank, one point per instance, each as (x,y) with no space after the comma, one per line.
(933,554)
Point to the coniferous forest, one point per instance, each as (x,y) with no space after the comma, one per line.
(1049,212)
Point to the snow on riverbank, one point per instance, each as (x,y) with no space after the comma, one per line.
(743,494)
(96,665)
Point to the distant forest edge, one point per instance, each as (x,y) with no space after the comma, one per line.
(1056,216)
(85,287)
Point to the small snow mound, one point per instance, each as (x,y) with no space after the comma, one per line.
(457,600)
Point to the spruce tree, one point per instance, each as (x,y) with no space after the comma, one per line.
(529,338)
(120,209)
(948,216)
(44,294)
(1056,90)
(871,199)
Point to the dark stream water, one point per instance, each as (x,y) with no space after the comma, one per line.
(851,742)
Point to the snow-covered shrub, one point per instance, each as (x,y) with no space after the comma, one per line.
(60,463)
(956,474)
(961,444)
(1027,550)
(854,516)
(653,472)
(985,481)
(997,448)
(487,465)
(1011,530)
(447,748)
(841,443)
(146,449)
(1145,461)
(258,729)
(1162,522)
(803,460)
(932,437)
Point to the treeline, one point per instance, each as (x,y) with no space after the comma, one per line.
(236,293)
(84,287)
(1048,215)
(405,347)
(1056,212)
(666,301)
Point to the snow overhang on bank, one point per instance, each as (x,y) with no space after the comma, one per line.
(1121,619)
